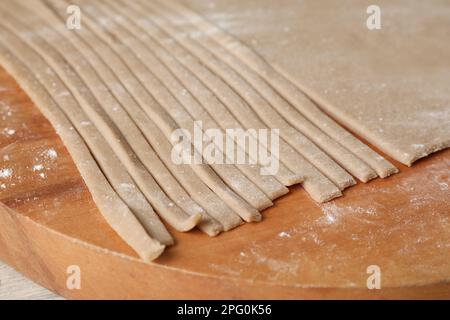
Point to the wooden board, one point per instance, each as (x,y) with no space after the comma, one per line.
(48,221)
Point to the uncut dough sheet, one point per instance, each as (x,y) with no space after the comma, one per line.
(390,86)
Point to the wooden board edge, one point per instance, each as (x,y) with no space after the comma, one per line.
(43,255)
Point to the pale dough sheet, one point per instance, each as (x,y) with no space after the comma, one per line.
(390,86)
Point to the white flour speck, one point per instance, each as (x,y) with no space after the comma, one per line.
(284,234)
(38,167)
(6,173)
(51,153)
(2,186)
(85,123)
(443,185)
(42,175)
(63,94)
(8,132)
(6,157)
(331,212)
(330,218)
(127,186)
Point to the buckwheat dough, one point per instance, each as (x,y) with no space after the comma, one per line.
(268,184)
(168,125)
(233,177)
(344,157)
(344,177)
(390,85)
(184,174)
(278,81)
(195,89)
(116,213)
(318,186)
(259,105)
(112,168)
(178,218)
(121,118)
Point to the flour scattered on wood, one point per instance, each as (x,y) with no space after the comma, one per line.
(5,111)
(443,185)
(63,94)
(127,186)
(284,234)
(50,153)
(331,218)
(38,167)
(278,268)
(331,212)
(8,132)
(225,269)
(85,123)
(6,173)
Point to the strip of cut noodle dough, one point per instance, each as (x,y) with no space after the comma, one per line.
(113,209)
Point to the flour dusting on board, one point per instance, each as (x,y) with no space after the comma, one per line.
(8,132)
(5,111)
(277,269)
(50,153)
(6,173)
(316,245)
(284,234)
(38,167)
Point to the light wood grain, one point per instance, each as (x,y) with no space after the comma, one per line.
(300,250)
(14,286)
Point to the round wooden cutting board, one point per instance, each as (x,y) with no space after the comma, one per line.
(301,249)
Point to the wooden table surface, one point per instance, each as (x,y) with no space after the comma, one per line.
(15,286)
(300,250)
